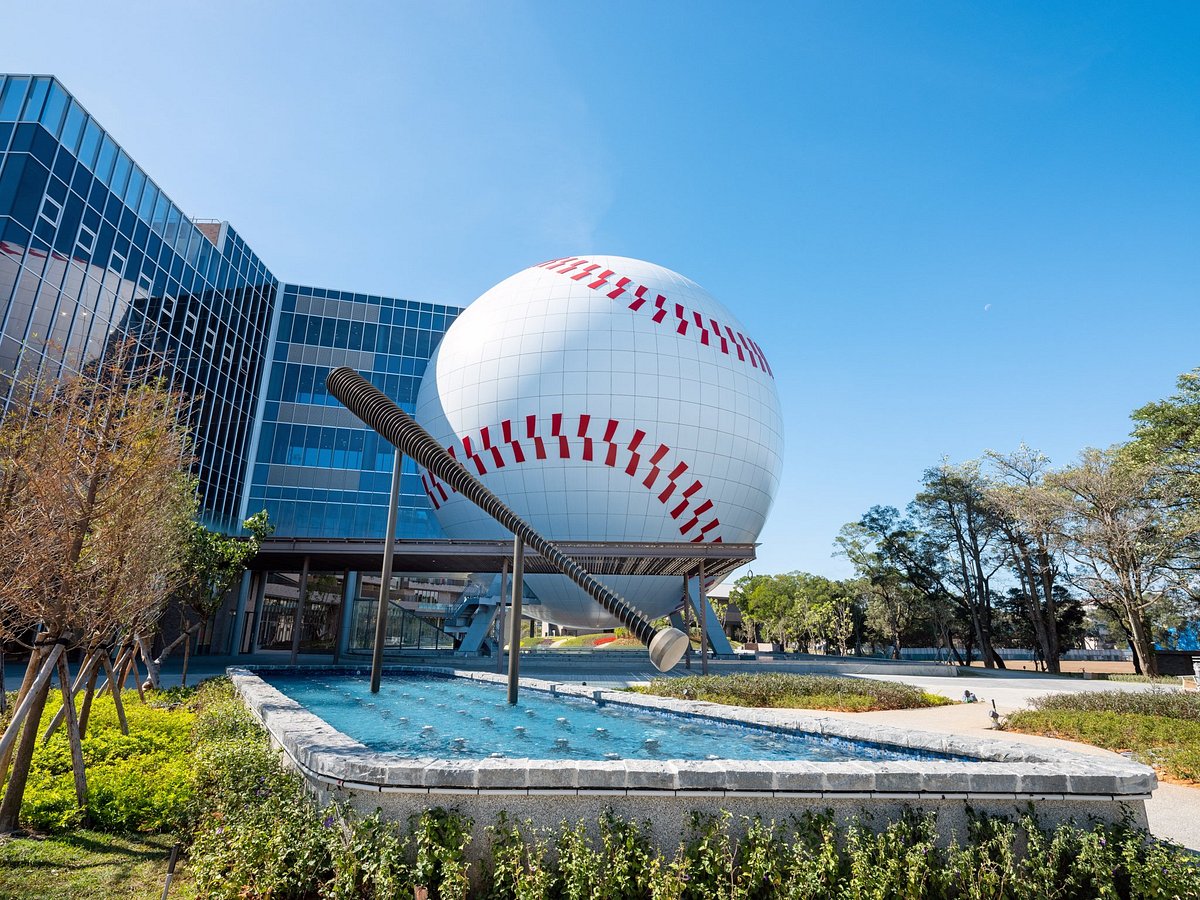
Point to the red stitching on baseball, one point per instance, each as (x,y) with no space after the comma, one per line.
(747,350)
(433,487)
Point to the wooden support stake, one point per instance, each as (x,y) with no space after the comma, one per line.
(64,683)
(187,655)
(42,673)
(89,664)
(89,691)
(137,676)
(116,692)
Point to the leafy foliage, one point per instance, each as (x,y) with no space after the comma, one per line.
(136,782)
(786,691)
(1161,728)
(213,562)
(1170,704)
(796,607)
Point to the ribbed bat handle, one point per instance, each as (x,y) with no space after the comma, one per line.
(370,404)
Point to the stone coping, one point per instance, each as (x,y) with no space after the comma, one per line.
(995,770)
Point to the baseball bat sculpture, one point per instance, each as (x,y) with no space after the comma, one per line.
(373,407)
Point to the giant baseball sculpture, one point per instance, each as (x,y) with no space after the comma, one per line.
(374,407)
(604,399)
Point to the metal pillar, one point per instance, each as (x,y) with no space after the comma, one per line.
(514,647)
(385,577)
(698,600)
(339,627)
(500,619)
(687,622)
(349,594)
(298,621)
(703,621)
(260,597)
(239,616)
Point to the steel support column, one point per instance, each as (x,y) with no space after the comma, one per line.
(500,619)
(385,577)
(514,647)
(298,621)
(703,621)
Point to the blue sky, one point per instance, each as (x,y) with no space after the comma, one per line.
(951,227)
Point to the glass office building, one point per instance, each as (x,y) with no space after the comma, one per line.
(94,253)
(319,472)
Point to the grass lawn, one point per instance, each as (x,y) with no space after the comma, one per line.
(780,691)
(1159,728)
(89,865)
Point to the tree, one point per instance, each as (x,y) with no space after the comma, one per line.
(94,499)
(212,564)
(889,549)
(1166,443)
(966,539)
(836,610)
(1027,522)
(799,608)
(893,602)
(767,602)
(1114,521)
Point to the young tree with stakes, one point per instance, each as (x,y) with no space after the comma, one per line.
(95,499)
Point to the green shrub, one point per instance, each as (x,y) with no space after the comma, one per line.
(370,863)
(136,782)
(1171,745)
(441,837)
(814,862)
(1154,702)
(785,691)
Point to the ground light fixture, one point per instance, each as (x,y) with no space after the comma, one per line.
(377,410)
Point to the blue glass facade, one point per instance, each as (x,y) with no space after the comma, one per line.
(92,253)
(318,471)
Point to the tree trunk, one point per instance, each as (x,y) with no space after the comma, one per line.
(169,649)
(14,795)
(1046,570)
(1143,646)
(152,668)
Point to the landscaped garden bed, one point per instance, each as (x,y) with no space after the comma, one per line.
(1158,727)
(784,691)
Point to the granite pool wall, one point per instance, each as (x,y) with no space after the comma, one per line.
(1001,778)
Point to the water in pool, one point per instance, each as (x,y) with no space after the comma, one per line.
(431,716)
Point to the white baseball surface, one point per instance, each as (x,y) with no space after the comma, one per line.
(605,399)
